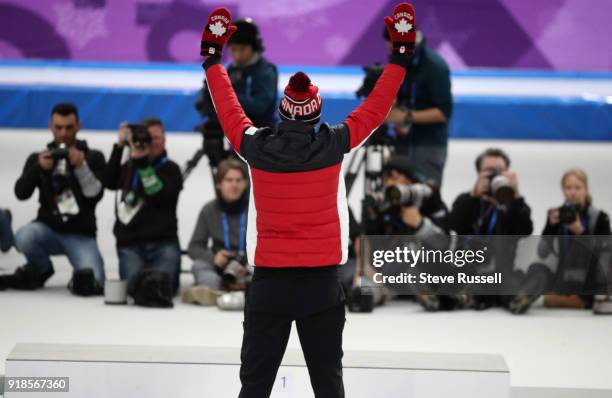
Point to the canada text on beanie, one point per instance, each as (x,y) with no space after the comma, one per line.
(301,100)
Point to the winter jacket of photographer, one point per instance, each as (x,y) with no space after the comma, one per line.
(156,221)
(33,176)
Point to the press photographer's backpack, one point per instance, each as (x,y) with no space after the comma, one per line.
(151,288)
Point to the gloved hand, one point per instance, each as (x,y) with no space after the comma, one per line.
(402,29)
(217,32)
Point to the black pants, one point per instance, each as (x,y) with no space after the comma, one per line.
(267,327)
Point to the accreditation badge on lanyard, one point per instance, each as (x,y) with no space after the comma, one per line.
(126,211)
(67,204)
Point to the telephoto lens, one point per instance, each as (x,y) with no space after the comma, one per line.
(501,189)
(407,195)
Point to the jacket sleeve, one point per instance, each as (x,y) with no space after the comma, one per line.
(461,218)
(112,171)
(231,116)
(374,109)
(96,165)
(30,176)
(519,217)
(198,245)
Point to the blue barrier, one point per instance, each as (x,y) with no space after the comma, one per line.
(483,117)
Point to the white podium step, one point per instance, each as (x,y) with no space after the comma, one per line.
(111,371)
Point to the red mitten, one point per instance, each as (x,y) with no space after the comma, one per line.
(402,29)
(217,32)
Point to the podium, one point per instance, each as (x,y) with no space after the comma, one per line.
(112,371)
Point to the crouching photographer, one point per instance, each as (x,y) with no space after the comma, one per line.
(574,236)
(148,184)
(494,207)
(403,206)
(218,243)
(67,175)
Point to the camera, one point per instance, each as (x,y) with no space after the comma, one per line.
(236,263)
(568,213)
(139,135)
(500,187)
(60,156)
(407,195)
(61,152)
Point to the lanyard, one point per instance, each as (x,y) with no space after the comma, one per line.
(484,211)
(492,222)
(226,232)
(157,165)
(585,224)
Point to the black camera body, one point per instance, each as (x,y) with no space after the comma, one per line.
(568,213)
(60,152)
(237,261)
(139,135)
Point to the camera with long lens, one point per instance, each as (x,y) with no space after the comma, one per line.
(60,172)
(139,135)
(500,188)
(568,213)
(407,195)
(237,261)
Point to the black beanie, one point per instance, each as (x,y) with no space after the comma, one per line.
(247,33)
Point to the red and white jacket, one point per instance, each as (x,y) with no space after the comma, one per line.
(298,211)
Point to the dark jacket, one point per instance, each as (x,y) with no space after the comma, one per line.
(583,260)
(427,85)
(256,87)
(472,216)
(156,221)
(33,176)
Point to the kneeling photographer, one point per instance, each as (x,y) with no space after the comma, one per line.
(67,175)
(404,206)
(495,207)
(573,233)
(218,243)
(148,184)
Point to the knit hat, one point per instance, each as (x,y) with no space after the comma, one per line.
(301,100)
(247,33)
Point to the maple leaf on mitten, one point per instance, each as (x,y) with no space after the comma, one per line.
(216,32)
(402,29)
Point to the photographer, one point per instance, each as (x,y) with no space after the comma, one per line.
(218,243)
(405,206)
(68,176)
(148,186)
(422,111)
(494,207)
(578,258)
(253,78)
